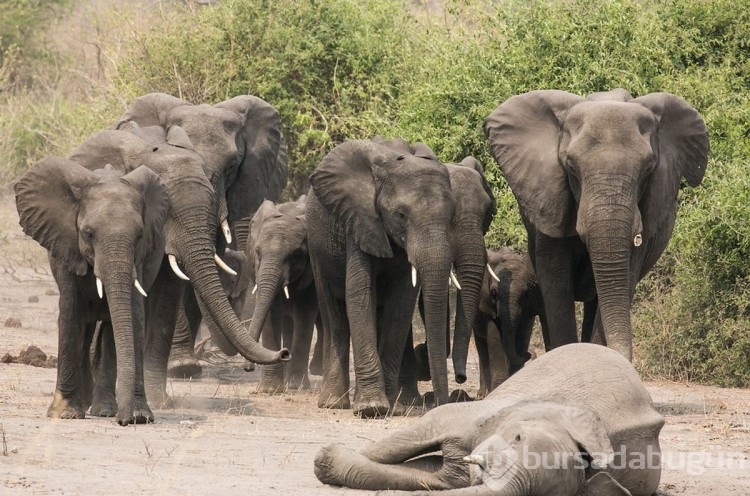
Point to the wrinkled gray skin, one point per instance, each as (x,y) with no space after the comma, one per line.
(189,318)
(279,260)
(244,162)
(190,232)
(580,402)
(507,310)
(596,181)
(97,224)
(376,209)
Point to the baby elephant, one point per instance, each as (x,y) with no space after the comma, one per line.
(575,422)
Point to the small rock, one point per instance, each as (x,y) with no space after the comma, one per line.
(12,322)
(33,299)
(51,292)
(33,356)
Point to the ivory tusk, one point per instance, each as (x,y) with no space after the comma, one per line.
(476,460)
(455,281)
(492,273)
(638,240)
(223,265)
(413,276)
(255,288)
(99,288)
(286,292)
(140,288)
(227,231)
(176,268)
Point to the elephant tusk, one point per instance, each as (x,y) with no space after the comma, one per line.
(638,240)
(476,460)
(227,231)
(255,288)
(492,273)
(99,288)
(413,276)
(223,265)
(286,292)
(455,281)
(176,268)
(140,288)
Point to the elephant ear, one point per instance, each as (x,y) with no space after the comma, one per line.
(421,150)
(345,185)
(603,484)
(682,137)
(152,109)
(47,198)
(156,206)
(489,214)
(177,136)
(263,151)
(524,134)
(587,429)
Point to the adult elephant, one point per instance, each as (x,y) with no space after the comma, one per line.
(383,221)
(190,232)
(285,303)
(104,234)
(244,154)
(596,181)
(554,428)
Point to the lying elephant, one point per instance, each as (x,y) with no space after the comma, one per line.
(576,421)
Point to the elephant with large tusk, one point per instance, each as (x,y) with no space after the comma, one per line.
(575,422)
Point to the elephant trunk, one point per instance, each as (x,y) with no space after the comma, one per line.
(609,241)
(198,255)
(268,279)
(433,263)
(115,268)
(470,262)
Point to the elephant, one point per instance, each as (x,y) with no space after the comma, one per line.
(284,290)
(596,180)
(103,231)
(576,421)
(244,154)
(190,233)
(383,222)
(509,304)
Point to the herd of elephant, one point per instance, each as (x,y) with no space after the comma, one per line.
(167,219)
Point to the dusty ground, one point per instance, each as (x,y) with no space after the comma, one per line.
(223,436)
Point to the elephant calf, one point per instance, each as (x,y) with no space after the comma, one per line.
(576,421)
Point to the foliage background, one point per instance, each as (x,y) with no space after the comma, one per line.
(425,71)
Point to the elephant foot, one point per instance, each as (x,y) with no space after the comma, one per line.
(334,401)
(371,407)
(184,367)
(142,414)
(271,386)
(249,366)
(160,398)
(298,382)
(65,408)
(105,406)
(272,379)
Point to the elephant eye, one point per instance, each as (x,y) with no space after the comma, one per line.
(400,215)
(88,234)
(493,294)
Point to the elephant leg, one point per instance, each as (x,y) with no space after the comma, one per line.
(316,363)
(272,378)
(104,403)
(71,341)
(182,360)
(161,317)
(334,391)
(394,326)
(305,311)
(408,376)
(554,270)
(370,399)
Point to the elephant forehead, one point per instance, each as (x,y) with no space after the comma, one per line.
(609,118)
(111,201)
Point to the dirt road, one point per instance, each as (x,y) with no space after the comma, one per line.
(224,437)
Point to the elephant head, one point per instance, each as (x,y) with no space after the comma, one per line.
(102,223)
(605,170)
(278,255)
(190,229)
